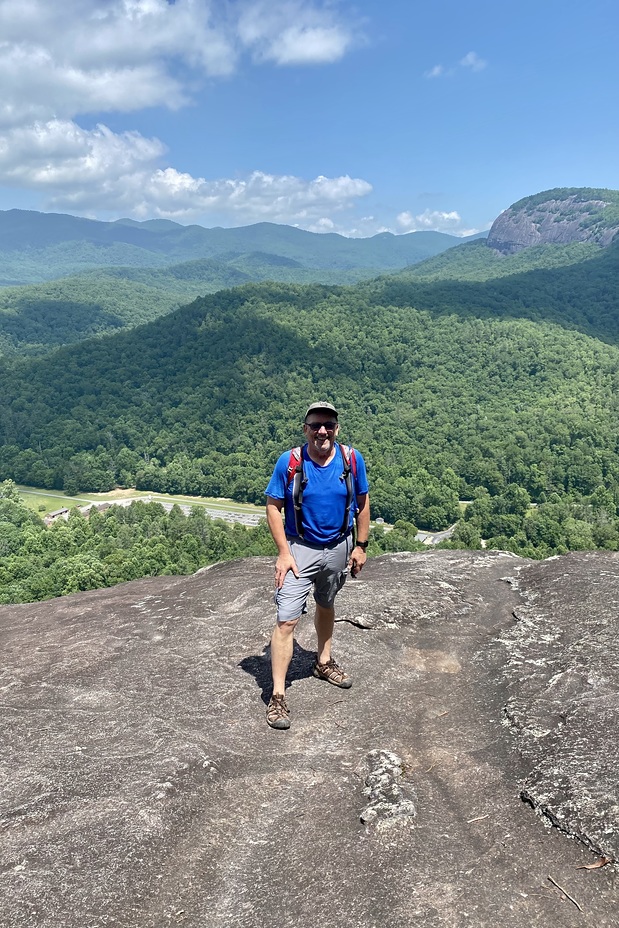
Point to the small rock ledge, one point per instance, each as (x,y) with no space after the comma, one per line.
(387,797)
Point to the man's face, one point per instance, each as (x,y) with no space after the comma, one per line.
(321,430)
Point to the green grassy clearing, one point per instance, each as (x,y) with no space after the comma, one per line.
(45,501)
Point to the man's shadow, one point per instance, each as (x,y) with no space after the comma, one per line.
(259,667)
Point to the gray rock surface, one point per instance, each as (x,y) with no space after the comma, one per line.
(553,222)
(563,672)
(141,786)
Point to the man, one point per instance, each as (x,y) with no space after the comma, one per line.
(315,547)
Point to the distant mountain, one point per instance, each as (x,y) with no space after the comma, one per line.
(559,216)
(476,374)
(39,317)
(42,246)
(449,386)
(477,261)
(94,277)
(574,286)
(63,279)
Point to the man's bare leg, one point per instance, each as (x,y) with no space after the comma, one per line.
(282,643)
(324,620)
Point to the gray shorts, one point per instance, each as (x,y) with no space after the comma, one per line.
(324,568)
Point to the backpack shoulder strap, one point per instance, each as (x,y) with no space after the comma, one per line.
(294,461)
(297,476)
(349,475)
(350,458)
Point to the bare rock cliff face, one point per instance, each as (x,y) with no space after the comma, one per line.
(555,221)
(142,788)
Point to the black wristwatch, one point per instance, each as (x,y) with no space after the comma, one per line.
(362,544)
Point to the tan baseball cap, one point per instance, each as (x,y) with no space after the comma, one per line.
(322,407)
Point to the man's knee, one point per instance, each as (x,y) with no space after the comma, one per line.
(286,628)
(323,607)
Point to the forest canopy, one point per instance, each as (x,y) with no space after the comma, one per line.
(491,379)
(446,388)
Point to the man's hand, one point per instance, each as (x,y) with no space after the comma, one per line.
(285,560)
(283,564)
(357,560)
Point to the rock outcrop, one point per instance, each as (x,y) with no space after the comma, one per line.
(557,217)
(562,667)
(142,787)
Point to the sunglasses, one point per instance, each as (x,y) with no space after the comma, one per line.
(316,426)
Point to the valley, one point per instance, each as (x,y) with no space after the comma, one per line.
(473,375)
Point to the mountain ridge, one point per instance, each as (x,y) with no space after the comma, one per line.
(435,376)
(557,216)
(44,237)
(435,383)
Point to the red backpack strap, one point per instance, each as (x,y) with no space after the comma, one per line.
(350,458)
(297,477)
(294,462)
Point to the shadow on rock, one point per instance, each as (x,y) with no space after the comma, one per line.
(259,667)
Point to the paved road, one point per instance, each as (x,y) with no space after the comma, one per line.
(435,538)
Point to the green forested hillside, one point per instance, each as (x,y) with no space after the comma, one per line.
(571,285)
(80,278)
(110,547)
(447,402)
(476,261)
(39,317)
(35,319)
(36,265)
(206,275)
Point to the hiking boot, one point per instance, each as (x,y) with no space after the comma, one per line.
(332,673)
(278,713)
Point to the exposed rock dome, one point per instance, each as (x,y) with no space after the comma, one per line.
(142,788)
(557,217)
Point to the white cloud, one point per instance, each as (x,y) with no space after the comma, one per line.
(62,60)
(437,71)
(58,60)
(259,197)
(293,32)
(84,56)
(433,220)
(473,61)
(322,225)
(35,87)
(99,170)
(60,158)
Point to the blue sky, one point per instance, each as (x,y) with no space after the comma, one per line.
(353,117)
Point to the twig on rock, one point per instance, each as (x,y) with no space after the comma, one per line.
(565,893)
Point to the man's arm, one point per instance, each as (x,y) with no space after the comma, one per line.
(358,556)
(285,560)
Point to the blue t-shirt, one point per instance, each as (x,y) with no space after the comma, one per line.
(324,495)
